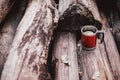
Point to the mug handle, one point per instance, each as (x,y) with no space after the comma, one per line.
(100,35)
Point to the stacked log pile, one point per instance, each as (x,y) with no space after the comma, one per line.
(41,40)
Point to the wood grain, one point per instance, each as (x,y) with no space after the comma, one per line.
(94,64)
(65,57)
(28,54)
(8,29)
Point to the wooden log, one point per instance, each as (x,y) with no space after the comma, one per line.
(77,16)
(65,57)
(110,48)
(92,6)
(64,52)
(94,65)
(59,71)
(28,54)
(8,29)
(5,6)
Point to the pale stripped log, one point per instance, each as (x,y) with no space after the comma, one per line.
(28,54)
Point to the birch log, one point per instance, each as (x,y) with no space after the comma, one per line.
(28,54)
(8,29)
(5,6)
(65,57)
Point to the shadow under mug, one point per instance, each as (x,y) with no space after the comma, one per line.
(89,37)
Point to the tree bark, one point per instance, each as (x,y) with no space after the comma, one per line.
(65,57)
(5,6)
(29,49)
(8,29)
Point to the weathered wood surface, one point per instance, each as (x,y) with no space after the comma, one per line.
(5,6)
(111,50)
(65,57)
(104,62)
(92,6)
(8,29)
(94,65)
(28,54)
(75,17)
(64,4)
(29,51)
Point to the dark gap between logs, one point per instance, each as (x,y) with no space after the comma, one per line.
(56,1)
(50,67)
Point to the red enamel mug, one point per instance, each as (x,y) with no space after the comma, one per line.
(90,35)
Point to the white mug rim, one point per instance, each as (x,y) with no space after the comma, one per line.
(91,27)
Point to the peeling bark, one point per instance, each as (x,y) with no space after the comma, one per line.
(29,50)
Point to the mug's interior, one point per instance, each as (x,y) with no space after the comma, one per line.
(89,30)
